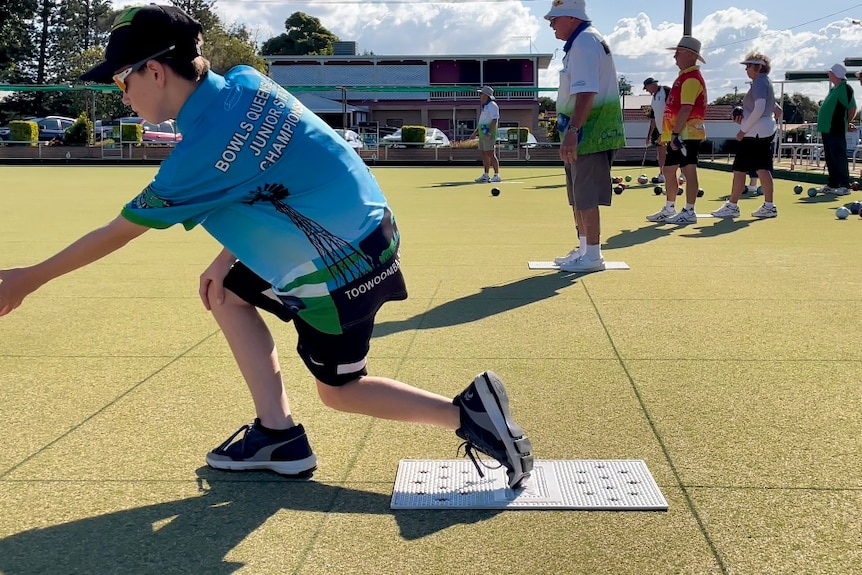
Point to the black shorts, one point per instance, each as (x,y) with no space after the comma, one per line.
(677,158)
(753,154)
(334,359)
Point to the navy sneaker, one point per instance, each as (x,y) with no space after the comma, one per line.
(487,426)
(288,453)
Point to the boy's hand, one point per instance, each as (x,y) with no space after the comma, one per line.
(211,288)
(15,285)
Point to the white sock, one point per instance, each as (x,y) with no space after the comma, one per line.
(689,207)
(594,252)
(729,203)
(670,205)
(582,245)
(768,204)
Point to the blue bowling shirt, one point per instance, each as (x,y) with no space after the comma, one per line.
(282,191)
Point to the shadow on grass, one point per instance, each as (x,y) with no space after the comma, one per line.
(819,199)
(194,535)
(455,184)
(629,238)
(719,228)
(488,302)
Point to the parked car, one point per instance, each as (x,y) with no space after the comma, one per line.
(504,135)
(50,127)
(53,127)
(352,138)
(434,138)
(162,133)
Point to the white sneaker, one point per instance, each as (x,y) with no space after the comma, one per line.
(572,255)
(728,210)
(482,179)
(496,178)
(751,189)
(583,264)
(683,217)
(659,179)
(662,214)
(764,212)
(842,191)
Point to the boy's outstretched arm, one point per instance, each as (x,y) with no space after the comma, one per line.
(16,284)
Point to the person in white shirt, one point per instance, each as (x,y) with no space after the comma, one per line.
(486,130)
(659,97)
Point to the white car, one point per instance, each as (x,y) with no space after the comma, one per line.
(352,138)
(503,135)
(434,138)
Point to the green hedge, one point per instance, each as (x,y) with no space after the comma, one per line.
(522,134)
(81,132)
(413,134)
(24,131)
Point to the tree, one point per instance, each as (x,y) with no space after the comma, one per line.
(731,99)
(202,11)
(305,35)
(16,45)
(625,88)
(546,104)
(226,49)
(799,109)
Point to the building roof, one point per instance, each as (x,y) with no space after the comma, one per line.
(542,60)
(714,112)
(320,105)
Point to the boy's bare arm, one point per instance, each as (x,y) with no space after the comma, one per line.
(16,284)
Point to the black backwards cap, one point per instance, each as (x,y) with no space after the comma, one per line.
(140,32)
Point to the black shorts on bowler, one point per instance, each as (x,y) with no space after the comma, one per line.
(334,359)
(754,154)
(677,158)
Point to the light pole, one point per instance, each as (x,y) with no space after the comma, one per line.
(343,107)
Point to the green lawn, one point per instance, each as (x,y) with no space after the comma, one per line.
(725,358)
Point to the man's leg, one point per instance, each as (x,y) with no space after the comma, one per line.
(671,185)
(661,155)
(830,158)
(691,183)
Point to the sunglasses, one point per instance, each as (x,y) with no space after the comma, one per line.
(120,77)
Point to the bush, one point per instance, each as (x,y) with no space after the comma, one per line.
(131,133)
(24,131)
(522,134)
(413,135)
(80,132)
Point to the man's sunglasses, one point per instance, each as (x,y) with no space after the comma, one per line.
(120,77)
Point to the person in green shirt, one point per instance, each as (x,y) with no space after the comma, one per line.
(833,122)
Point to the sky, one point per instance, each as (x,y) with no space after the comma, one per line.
(793,34)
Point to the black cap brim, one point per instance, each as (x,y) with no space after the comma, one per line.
(101,74)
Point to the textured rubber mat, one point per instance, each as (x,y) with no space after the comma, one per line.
(585,484)
(553,266)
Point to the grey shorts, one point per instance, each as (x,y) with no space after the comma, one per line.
(486,143)
(588,180)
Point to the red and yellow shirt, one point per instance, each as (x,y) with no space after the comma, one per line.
(688,89)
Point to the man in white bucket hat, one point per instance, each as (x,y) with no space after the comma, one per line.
(590,124)
(683,131)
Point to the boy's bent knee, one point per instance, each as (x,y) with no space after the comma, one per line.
(337,396)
